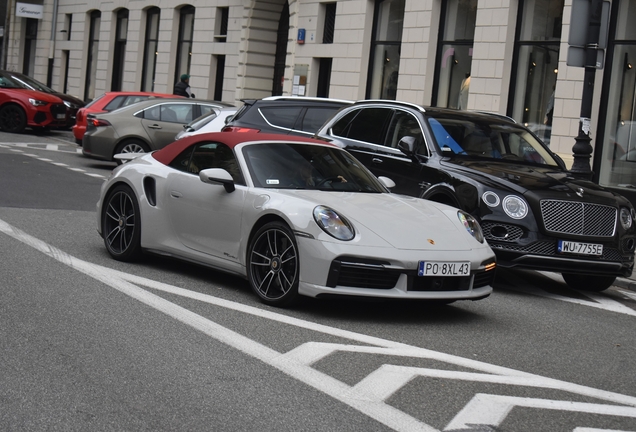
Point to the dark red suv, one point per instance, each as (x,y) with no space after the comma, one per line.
(21,107)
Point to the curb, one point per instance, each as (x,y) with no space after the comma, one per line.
(626,283)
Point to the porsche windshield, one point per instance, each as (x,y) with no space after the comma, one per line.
(307,166)
(471,137)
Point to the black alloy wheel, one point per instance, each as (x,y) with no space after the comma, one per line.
(273,264)
(12,119)
(121,224)
(592,283)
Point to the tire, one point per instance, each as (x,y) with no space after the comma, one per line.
(592,283)
(121,224)
(273,264)
(131,146)
(12,119)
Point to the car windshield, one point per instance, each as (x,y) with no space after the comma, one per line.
(29,82)
(307,166)
(8,82)
(483,138)
(200,121)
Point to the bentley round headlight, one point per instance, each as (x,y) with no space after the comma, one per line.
(490,198)
(471,225)
(515,207)
(333,224)
(626,218)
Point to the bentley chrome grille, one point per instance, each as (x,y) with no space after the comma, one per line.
(578,218)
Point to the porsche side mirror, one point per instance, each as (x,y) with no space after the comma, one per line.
(407,145)
(217,176)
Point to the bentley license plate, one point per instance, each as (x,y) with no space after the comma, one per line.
(570,247)
(441,268)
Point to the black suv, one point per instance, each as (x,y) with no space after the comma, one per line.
(533,212)
(285,115)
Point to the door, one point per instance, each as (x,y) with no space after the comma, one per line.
(162,122)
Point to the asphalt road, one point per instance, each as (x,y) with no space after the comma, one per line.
(89,343)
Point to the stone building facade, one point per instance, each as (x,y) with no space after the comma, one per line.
(500,56)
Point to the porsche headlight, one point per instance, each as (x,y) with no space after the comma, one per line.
(333,224)
(471,225)
(626,218)
(515,207)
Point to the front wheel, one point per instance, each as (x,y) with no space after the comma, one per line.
(588,282)
(12,119)
(121,224)
(273,264)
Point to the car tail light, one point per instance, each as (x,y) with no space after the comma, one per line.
(95,122)
(238,129)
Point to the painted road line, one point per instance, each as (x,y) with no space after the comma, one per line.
(95,175)
(362,397)
(44,159)
(77,169)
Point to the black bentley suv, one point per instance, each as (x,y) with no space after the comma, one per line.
(534,213)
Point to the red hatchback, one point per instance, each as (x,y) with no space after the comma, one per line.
(107,102)
(21,107)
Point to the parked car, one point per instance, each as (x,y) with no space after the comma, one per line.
(108,102)
(293,216)
(534,213)
(72,103)
(301,116)
(214,121)
(21,107)
(141,127)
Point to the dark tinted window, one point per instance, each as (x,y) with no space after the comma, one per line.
(115,103)
(182,162)
(153,113)
(280,116)
(315,117)
(369,125)
(402,125)
(208,155)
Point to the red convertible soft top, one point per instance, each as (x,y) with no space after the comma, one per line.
(231,139)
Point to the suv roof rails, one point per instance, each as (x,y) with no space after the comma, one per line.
(392,102)
(319,99)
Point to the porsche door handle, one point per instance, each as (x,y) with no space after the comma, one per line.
(154,126)
(377,160)
(175,194)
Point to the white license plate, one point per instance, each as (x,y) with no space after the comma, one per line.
(441,268)
(570,247)
(61,116)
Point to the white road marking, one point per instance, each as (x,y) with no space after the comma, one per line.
(626,293)
(95,175)
(368,395)
(492,410)
(44,159)
(77,169)
(60,164)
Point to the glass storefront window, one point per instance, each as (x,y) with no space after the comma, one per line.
(91,59)
(618,163)
(150,49)
(184,47)
(454,54)
(536,66)
(385,51)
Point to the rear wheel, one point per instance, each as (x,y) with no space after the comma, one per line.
(273,264)
(12,119)
(131,146)
(121,224)
(588,282)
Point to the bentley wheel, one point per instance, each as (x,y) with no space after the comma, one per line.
(588,282)
(132,146)
(121,224)
(273,264)
(12,119)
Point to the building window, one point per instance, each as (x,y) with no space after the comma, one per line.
(68,24)
(454,54)
(30,40)
(184,46)
(385,49)
(329,11)
(617,166)
(219,76)
(222,18)
(535,64)
(324,77)
(150,50)
(119,57)
(91,58)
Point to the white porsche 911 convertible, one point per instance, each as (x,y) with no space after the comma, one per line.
(293,216)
